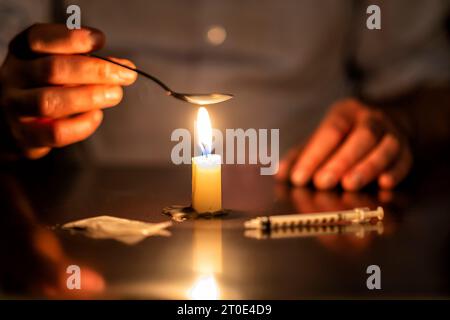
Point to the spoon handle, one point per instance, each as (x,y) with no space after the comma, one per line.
(145,74)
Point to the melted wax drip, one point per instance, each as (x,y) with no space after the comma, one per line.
(182,213)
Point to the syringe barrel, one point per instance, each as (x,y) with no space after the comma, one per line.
(305,219)
(337,217)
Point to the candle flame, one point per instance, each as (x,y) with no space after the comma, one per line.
(204,131)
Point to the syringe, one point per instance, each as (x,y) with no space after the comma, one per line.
(360,230)
(357,215)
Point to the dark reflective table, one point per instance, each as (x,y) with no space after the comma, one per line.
(217,257)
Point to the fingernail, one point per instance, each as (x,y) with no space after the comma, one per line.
(386,181)
(98,116)
(300,177)
(127,75)
(113,94)
(96,37)
(354,181)
(326,180)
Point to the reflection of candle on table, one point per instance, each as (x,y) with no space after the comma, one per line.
(206,170)
(207,259)
(207,246)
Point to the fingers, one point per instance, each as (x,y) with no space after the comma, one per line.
(355,147)
(52,93)
(62,64)
(36,153)
(35,133)
(326,139)
(56,102)
(286,164)
(373,165)
(397,172)
(57,39)
(125,62)
(73,70)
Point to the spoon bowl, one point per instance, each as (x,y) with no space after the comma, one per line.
(202,98)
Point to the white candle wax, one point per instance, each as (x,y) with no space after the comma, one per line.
(206,183)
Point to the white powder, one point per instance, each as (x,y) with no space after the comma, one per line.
(123,230)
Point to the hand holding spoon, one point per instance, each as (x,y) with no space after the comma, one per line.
(194,98)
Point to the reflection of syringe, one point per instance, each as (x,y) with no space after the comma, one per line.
(359,230)
(357,215)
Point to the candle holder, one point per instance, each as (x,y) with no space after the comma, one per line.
(181,213)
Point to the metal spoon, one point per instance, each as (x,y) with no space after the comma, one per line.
(194,98)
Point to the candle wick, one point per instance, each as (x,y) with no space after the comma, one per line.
(204,151)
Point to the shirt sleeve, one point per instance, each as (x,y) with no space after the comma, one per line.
(410,49)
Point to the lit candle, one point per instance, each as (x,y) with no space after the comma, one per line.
(206,170)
